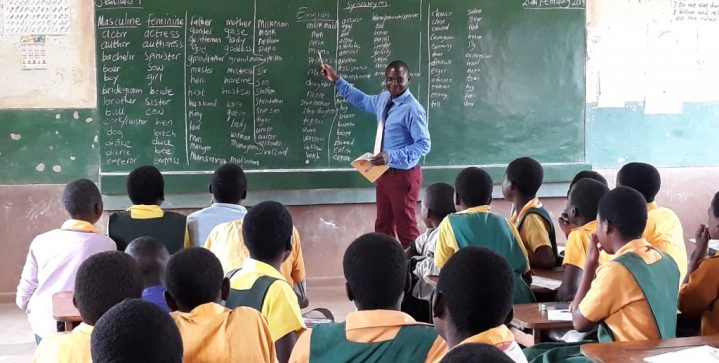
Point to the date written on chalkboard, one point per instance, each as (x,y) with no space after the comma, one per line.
(553,4)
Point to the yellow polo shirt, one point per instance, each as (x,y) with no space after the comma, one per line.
(447,241)
(280,307)
(369,326)
(500,337)
(213,333)
(616,298)
(145,211)
(575,252)
(664,231)
(534,231)
(226,242)
(699,297)
(68,347)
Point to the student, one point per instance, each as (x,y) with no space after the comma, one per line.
(438,202)
(581,211)
(55,256)
(146,189)
(664,230)
(103,280)
(136,331)
(476,353)
(699,296)
(633,296)
(152,256)
(375,268)
(228,188)
(211,332)
(563,220)
(267,233)
(227,243)
(474,299)
(521,182)
(477,225)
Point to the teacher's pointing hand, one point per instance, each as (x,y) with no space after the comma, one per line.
(330,73)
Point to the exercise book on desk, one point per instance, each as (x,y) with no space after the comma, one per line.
(545,282)
(703,353)
(369,171)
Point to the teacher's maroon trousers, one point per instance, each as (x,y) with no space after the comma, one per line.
(397,195)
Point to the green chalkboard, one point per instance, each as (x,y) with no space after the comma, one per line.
(48,146)
(189,85)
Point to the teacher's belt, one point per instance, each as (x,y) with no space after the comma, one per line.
(400,171)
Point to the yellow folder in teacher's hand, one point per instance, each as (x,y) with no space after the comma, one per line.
(369,171)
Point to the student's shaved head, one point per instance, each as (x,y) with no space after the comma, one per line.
(150,254)
(82,200)
(439,198)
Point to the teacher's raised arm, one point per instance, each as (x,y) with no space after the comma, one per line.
(402,140)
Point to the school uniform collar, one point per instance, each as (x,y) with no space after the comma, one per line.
(230,206)
(534,203)
(635,245)
(589,227)
(142,211)
(377,319)
(496,336)
(477,209)
(83,328)
(202,311)
(652,206)
(78,225)
(261,268)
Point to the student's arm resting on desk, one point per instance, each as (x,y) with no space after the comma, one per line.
(570,283)
(356,97)
(446,244)
(28,280)
(580,321)
(406,157)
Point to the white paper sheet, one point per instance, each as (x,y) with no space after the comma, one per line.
(545,282)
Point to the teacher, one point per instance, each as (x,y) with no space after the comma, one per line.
(402,139)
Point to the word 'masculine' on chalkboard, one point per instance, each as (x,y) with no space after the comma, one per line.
(189,85)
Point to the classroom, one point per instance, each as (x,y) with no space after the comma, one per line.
(101,89)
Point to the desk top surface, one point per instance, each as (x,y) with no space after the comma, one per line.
(530,316)
(631,352)
(62,307)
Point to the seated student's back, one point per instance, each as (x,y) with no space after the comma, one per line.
(664,229)
(633,295)
(152,256)
(103,280)
(699,296)
(476,225)
(474,300)
(55,256)
(267,232)
(522,180)
(228,187)
(375,270)
(476,353)
(136,331)
(210,332)
(146,189)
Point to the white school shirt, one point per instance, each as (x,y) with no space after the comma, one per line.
(201,223)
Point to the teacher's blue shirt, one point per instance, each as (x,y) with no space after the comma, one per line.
(406,136)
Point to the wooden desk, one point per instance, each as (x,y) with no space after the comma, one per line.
(64,310)
(541,293)
(529,322)
(635,352)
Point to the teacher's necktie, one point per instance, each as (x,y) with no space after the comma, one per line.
(379,138)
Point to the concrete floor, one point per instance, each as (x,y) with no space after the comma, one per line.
(17,342)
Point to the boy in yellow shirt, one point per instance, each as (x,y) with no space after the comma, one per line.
(664,229)
(521,182)
(136,331)
(584,174)
(212,333)
(102,281)
(581,211)
(632,296)
(474,300)
(267,232)
(375,270)
(699,296)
